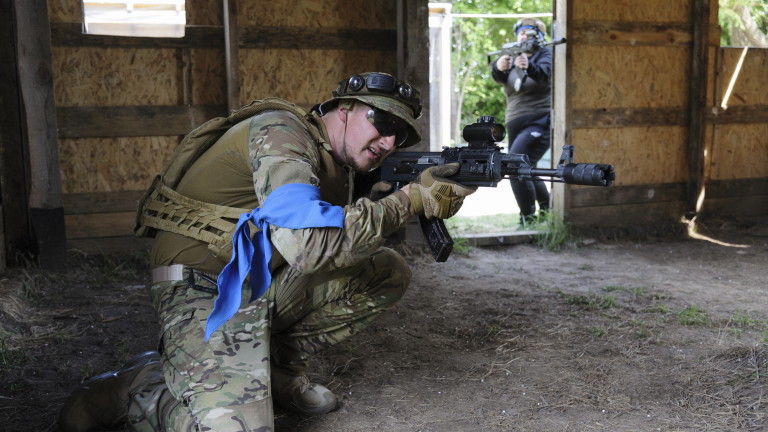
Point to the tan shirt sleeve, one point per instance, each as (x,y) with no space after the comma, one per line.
(282,156)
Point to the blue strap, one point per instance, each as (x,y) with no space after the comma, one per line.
(293,206)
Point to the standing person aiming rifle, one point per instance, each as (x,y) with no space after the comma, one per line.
(526,78)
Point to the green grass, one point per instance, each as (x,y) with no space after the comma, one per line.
(746,321)
(693,315)
(490,224)
(636,291)
(553,231)
(592,301)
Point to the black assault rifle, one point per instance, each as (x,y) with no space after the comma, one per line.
(481,163)
(515,49)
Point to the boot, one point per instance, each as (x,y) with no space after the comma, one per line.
(526,221)
(102,401)
(297,394)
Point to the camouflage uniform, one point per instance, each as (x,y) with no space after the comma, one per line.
(327,284)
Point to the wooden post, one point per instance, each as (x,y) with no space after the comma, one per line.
(231,54)
(697,102)
(413,67)
(14,229)
(46,207)
(413,57)
(562,91)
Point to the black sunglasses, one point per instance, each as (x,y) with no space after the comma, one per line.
(388,125)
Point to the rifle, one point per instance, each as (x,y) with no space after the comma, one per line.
(515,49)
(481,163)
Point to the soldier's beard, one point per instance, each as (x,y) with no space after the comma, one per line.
(347,159)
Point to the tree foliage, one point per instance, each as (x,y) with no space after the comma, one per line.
(476,94)
(743,23)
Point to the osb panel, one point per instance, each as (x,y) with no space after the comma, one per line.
(209,85)
(739,151)
(750,85)
(205,12)
(370,14)
(115,76)
(304,77)
(112,164)
(65,10)
(646,155)
(632,10)
(629,77)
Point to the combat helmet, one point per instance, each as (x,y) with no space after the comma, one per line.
(383,91)
(531,23)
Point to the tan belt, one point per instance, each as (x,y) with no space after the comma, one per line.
(167,273)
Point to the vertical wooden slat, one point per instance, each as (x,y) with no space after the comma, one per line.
(697,101)
(413,57)
(39,112)
(401,32)
(186,76)
(231,54)
(562,95)
(14,229)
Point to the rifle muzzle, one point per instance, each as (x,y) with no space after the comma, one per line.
(588,174)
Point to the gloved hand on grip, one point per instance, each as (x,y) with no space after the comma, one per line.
(434,195)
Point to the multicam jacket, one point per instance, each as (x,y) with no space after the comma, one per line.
(256,156)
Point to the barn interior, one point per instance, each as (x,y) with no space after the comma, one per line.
(89,120)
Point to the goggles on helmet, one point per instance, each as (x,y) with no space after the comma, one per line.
(380,83)
(388,125)
(528,27)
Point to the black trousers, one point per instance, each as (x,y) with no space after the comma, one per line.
(530,136)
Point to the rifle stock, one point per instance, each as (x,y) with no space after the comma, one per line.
(482,163)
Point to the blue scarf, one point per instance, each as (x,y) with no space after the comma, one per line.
(293,206)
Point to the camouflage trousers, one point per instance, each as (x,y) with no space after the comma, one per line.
(224,384)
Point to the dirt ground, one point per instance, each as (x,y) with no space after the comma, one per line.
(605,335)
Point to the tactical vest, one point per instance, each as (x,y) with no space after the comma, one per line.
(162,208)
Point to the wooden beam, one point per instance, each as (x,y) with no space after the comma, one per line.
(36,78)
(14,229)
(103,245)
(125,121)
(562,97)
(97,225)
(742,114)
(630,33)
(697,102)
(317,38)
(231,54)
(624,117)
(584,196)
(736,198)
(401,34)
(653,214)
(102,202)
(413,56)
(740,188)
(71,34)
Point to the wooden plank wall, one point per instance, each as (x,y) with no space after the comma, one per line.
(626,71)
(123,103)
(737,166)
(625,103)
